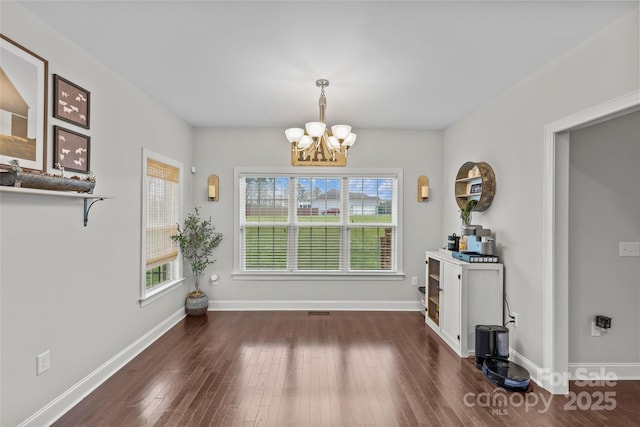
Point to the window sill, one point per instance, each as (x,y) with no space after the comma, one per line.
(159,292)
(368,276)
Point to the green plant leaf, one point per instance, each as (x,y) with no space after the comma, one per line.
(197,238)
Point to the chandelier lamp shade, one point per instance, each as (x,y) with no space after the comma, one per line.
(315,145)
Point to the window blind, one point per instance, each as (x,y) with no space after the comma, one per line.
(162,212)
(318,223)
(264,222)
(372,226)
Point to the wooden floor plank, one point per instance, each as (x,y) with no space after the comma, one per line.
(277,369)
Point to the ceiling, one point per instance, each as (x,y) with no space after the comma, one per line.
(391,64)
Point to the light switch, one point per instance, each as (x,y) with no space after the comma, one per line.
(629,248)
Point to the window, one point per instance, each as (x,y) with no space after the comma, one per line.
(318,223)
(161,211)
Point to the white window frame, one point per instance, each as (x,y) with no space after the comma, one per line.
(397,274)
(177,276)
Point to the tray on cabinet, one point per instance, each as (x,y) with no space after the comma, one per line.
(474,257)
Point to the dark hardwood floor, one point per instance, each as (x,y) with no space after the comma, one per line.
(343,369)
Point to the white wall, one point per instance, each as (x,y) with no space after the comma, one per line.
(218,151)
(604,202)
(66,288)
(507,132)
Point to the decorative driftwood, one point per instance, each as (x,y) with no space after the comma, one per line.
(45,182)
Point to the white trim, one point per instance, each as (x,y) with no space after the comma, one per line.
(534,370)
(285,305)
(160,291)
(608,109)
(36,191)
(325,276)
(548,253)
(147,297)
(603,371)
(396,173)
(48,414)
(554,329)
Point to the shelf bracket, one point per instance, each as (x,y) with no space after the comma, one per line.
(87,207)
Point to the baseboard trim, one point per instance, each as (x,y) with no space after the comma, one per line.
(71,397)
(534,370)
(604,371)
(558,382)
(285,305)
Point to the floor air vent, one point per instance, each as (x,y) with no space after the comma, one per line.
(319,313)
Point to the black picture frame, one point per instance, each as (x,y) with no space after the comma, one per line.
(71,150)
(476,188)
(24,103)
(71,102)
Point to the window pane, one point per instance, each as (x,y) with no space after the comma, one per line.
(319,248)
(267,199)
(318,199)
(371,248)
(158,275)
(265,248)
(371,200)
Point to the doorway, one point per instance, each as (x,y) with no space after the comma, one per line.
(604,202)
(555,287)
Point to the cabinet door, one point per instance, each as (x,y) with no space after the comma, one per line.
(450,303)
(433,290)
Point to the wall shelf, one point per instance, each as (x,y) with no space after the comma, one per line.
(475,180)
(69,194)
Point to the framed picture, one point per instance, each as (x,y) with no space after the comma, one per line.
(475,188)
(71,150)
(70,102)
(23,106)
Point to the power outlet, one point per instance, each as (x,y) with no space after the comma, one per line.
(414,281)
(43,362)
(595,331)
(514,316)
(629,248)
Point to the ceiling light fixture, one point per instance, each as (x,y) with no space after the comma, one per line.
(316,146)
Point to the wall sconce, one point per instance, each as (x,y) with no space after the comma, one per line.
(213,188)
(423,188)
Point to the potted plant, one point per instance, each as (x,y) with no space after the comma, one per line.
(466,230)
(465,213)
(197,239)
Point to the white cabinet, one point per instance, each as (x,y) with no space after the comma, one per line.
(450,305)
(461,295)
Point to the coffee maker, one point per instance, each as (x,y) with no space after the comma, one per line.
(453,242)
(480,241)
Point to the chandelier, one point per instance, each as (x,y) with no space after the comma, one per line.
(314,146)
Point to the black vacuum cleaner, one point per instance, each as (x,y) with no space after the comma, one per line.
(492,357)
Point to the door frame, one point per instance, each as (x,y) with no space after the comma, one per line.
(555,236)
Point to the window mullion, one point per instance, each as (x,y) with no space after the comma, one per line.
(292,258)
(344,228)
(292,228)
